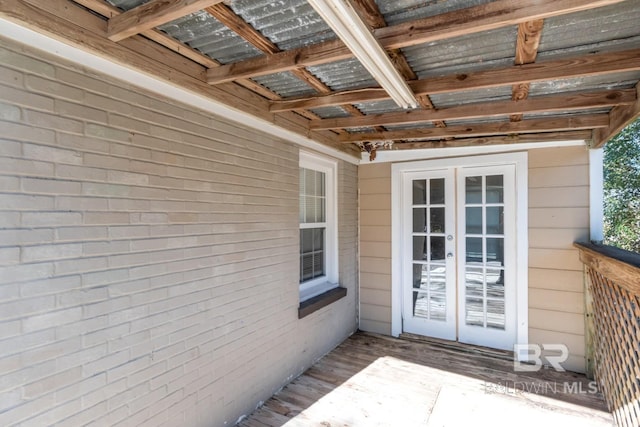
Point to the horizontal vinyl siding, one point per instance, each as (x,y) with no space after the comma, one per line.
(375,247)
(148,256)
(558,216)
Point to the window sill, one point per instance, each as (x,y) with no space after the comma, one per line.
(316,303)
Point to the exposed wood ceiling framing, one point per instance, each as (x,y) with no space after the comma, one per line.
(133,37)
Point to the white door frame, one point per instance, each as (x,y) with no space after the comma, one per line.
(520,160)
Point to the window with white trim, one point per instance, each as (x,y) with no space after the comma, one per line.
(318,225)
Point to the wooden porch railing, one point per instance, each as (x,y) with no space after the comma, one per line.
(613,327)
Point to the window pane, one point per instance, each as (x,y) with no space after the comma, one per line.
(419,248)
(312,263)
(495,189)
(419,220)
(437,248)
(473,219)
(306,241)
(437,220)
(319,189)
(474,250)
(420,276)
(495,220)
(473,189)
(420,192)
(474,311)
(318,239)
(437,278)
(309,182)
(495,252)
(437,191)
(318,264)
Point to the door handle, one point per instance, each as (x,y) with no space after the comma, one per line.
(450,255)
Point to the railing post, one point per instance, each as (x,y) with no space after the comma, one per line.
(589,327)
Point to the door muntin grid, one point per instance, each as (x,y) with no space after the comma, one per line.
(429,267)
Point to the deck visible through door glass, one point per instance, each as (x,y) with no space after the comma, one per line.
(484,246)
(429,267)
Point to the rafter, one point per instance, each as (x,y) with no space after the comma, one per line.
(582,66)
(152,14)
(529,34)
(229,18)
(472,20)
(581,135)
(555,124)
(543,104)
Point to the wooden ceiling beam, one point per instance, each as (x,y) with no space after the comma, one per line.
(529,34)
(554,124)
(473,20)
(583,135)
(619,117)
(150,15)
(581,66)
(543,104)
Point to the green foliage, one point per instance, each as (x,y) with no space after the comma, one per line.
(622,189)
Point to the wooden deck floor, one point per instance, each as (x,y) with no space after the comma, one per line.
(372,380)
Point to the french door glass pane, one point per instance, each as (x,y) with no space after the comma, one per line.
(420,192)
(419,220)
(437,248)
(484,247)
(495,189)
(420,248)
(473,219)
(437,220)
(436,193)
(495,220)
(473,191)
(429,267)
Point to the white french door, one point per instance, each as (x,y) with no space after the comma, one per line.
(458,254)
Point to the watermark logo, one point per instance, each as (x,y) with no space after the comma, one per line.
(515,388)
(528,357)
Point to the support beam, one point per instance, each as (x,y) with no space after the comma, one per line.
(560,124)
(496,140)
(582,66)
(152,14)
(473,20)
(544,104)
(619,117)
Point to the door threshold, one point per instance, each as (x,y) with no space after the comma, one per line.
(460,347)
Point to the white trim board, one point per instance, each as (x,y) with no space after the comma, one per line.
(596,195)
(520,160)
(153,84)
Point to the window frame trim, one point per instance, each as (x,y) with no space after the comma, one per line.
(322,284)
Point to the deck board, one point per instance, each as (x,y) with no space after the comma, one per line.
(374,380)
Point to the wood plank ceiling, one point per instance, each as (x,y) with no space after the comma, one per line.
(459,117)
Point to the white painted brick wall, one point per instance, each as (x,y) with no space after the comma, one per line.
(148,256)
